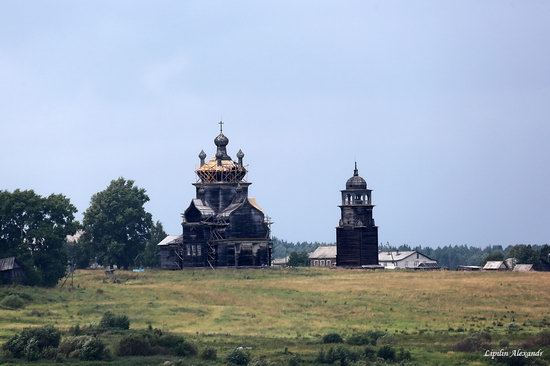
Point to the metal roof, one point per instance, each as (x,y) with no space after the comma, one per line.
(523,268)
(204,209)
(495,265)
(170,239)
(324,251)
(394,256)
(7,264)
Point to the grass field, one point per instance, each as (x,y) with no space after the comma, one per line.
(269,310)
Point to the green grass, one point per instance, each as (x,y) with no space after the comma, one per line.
(273,309)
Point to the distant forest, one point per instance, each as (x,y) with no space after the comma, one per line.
(448,256)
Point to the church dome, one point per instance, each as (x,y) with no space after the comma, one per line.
(356,182)
(221,140)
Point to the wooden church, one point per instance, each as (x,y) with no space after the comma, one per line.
(223,226)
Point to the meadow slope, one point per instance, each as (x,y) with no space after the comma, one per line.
(426,312)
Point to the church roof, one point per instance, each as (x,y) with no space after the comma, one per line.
(204,209)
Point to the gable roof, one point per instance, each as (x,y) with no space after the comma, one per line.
(495,265)
(204,209)
(170,239)
(7,264)
(523,268)
(324,251)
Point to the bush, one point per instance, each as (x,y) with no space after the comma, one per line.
(537,341)
(294,361)
(332,338)
(134,345)
(209,353)
(12,302)
(32,341)
(238,357)
(474,343)
(387,353)
(369,353)
(365,338)
(186,348)
(339,353)
(403,355)
(110,320)
(83,347)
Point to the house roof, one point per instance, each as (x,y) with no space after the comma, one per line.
(7,264)
(170,239)
(494,265)
(324,251)
(523,268)
(394,256)
(428,265)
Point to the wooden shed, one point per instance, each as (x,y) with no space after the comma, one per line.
(11,271)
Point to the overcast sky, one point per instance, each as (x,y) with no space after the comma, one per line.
(445,105)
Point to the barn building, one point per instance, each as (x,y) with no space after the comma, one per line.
(223,226)
(11,271)
(356,234)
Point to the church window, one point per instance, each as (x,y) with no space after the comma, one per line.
(199,250)
(188,247)
(194,250)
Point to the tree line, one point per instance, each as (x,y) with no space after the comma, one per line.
(116,230)
(448,256)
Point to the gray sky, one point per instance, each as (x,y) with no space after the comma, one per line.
(444,104)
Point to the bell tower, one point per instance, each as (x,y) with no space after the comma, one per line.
(356,234)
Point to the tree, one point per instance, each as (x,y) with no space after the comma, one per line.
(116,225)
(150,257)
(33,229)
(298,259)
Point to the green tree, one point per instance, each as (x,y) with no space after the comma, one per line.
(150,256)
(33,229)
(116,225)
(298,259)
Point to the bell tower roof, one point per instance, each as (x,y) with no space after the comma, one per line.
(356,181)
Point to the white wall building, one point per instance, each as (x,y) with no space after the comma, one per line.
(403,259)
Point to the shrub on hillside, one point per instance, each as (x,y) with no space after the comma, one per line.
(474,343)
(186,349)
(134,345)
(209,353)
(32,342)
(365,338)
(238,357)
(110,320)
(341,354)
(332,338)
(537,341)
(387,353)
(83,348)
(12,302)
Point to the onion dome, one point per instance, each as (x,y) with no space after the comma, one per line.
(221,140)
(356,182)
(202,155)
(240,154)
(221,168)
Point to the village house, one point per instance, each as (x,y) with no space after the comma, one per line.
(410,259)
(323,256)
(523,268)
(11,271)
